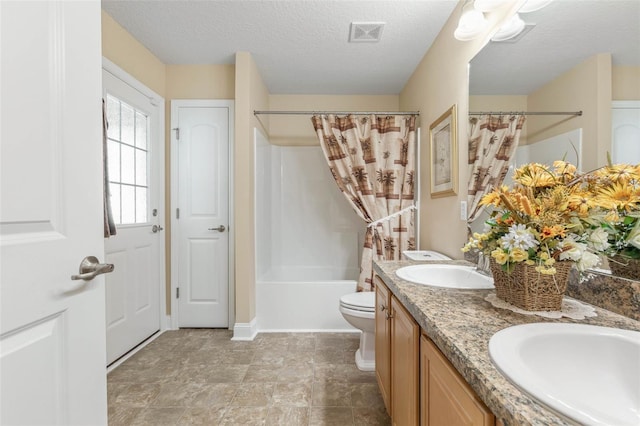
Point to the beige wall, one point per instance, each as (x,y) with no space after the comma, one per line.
(129,54)
(586,87)
(440,81)
(297,129)
(250,94)
(626,83)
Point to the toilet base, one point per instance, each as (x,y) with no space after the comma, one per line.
(366,355)
(364,365)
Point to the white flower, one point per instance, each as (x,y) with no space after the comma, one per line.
(598,239)
(587,261)
(519,236)
(572,250)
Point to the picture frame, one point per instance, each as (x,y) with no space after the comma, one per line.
(443,143)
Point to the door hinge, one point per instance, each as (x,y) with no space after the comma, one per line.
(178,213)
(177,292)
(177,129)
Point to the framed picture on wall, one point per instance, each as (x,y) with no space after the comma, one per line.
(444,154)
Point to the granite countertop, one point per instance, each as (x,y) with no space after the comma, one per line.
(461,322)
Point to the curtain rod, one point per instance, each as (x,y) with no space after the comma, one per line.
(576,113)
(336,112)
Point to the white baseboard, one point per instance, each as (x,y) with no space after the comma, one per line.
(311,330)
(245,331)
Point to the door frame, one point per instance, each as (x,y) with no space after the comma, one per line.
(217,103)
(158,101)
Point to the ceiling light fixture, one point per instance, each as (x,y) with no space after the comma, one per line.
(510,29)
(471,24)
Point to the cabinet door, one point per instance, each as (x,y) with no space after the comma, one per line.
(383,342)
(445,397)
(405,335)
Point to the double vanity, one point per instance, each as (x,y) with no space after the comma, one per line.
(446,356)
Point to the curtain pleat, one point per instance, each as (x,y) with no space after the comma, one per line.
(372,160)
(109,224)
(493,141)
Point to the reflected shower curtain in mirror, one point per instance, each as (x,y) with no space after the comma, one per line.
(492,142)
(372,160)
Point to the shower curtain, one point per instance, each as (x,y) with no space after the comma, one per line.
(372,160)
(492,142)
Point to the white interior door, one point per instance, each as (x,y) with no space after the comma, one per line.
(202,220)
(625,137)
(52,332)
(135,173)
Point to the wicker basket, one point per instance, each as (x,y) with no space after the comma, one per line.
(626,267)
(529,290)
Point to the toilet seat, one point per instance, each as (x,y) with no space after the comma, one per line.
(362,301)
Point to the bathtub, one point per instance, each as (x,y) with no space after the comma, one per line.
(303,299)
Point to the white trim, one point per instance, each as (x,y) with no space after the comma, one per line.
(625,104)
(133,351)
(244,331)
(120,73)
(310,330)
(221,103)
(156,101)
(417,198)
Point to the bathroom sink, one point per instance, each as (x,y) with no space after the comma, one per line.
(588,373)
(449,276)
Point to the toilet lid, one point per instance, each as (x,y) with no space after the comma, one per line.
(362,301)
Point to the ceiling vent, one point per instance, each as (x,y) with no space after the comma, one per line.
(366,32)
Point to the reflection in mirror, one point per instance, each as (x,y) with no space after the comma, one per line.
(574,55)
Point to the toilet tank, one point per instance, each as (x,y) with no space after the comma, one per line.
(424,255)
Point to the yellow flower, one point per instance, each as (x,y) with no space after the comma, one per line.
(545,270)
(619,173)
(534,175)
(518,255)
(500,256)
(618,195)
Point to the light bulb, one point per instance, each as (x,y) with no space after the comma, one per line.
(510,29)
(471,23)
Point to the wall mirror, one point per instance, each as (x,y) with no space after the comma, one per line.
(567,39)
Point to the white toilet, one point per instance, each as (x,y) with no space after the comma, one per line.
(359,311)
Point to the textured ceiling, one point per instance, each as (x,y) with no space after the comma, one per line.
(301,46)
(567,32)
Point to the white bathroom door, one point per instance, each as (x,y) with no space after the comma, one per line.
(625,136)
(201,136)
(52,327)
(136,181)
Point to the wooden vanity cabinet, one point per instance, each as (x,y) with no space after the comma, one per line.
(383,342)
(445,397)
(405,366)
(397,358)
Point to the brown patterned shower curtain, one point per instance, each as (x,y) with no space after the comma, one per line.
(372,160)
(492,142)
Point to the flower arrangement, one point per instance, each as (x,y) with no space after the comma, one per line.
(617,208)
(544,218)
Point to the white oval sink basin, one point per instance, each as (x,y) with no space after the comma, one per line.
(449,276)
(588,373)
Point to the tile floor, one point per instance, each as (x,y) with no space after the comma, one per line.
(201,377)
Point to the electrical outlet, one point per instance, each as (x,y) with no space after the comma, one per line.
(463,210)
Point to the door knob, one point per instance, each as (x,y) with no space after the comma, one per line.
(156,228)
(220,228)
(90,267)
